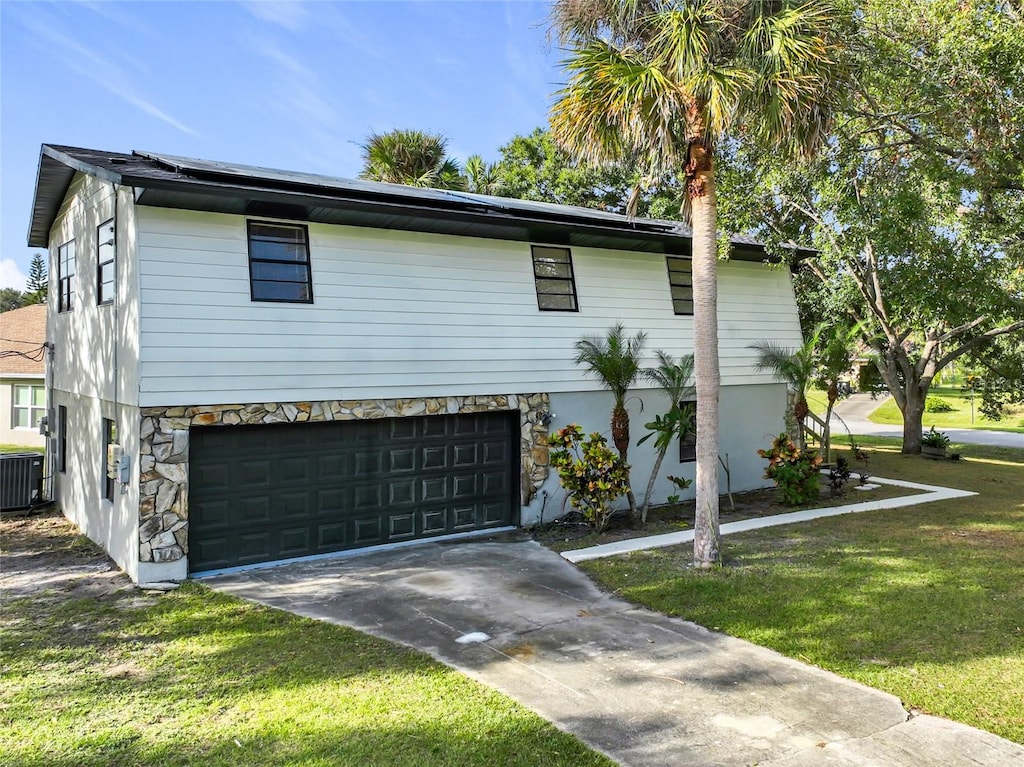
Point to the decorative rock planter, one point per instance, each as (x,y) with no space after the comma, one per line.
(933,453)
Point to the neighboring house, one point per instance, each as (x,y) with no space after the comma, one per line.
(22,375)
(295,365)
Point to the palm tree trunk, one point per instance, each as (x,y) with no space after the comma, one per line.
(650,485)
(620,436)
(704,222)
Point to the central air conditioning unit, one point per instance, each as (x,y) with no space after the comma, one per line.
(21,481)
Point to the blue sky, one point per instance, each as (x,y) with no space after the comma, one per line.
(280,84)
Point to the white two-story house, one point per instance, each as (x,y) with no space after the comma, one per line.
(292,365)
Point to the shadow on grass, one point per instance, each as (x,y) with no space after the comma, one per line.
(203,678)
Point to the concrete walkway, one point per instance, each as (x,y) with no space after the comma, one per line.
(852,414)
(928,494)
(645,689)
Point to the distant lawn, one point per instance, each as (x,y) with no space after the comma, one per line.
(959,418)
(20,449)
(926,602)
(200,678)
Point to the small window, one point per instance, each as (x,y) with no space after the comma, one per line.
(680,281)
(109,438)
(66,277)
(62,430)
(29,406)
(556,284)
(105,263)
(688,444)
(279,263)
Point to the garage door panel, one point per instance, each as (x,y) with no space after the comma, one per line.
(260,493)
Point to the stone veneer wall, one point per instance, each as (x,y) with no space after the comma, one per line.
(163,465)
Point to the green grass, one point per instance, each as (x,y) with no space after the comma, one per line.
(926,602)
(202,678)
(959,418)
(817,400)
(20,449)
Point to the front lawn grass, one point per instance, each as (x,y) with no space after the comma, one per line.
(198,678)
(958,418)
(924,602)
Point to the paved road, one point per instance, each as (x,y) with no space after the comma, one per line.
(852,414)
(648,690)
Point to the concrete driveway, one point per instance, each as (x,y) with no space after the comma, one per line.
(638,686)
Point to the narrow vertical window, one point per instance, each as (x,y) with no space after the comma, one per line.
(109,438)
(688,444)
(279,263)
(680,281)
(105,262)
(554,279)
(66,277)
(62,432)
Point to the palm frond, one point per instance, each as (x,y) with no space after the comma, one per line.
(613,359)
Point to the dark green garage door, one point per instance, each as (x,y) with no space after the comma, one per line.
(264,493)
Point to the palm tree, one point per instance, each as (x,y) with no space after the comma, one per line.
(615,361)
(482,177)
(663,82)
(411,157)
(838,346)
(796,367)
(673,378)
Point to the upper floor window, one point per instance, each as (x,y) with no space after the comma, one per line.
(680,280)
(29,406)
(105,262)
(556,284)
(66,277)
(279,263)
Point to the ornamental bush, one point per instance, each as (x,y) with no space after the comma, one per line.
(592,474)
(795,471)
(937,405)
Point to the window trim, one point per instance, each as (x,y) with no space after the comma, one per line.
(30,407)
(66,297)
(100,301)
(688,446)
(672,285)
(308,262)
(571,279)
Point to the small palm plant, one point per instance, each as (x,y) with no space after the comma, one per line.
(673,378)
(615,361)
(795,367)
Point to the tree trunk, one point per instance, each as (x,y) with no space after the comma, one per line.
(650,485)
(620,436)
(703,218)
(913,420)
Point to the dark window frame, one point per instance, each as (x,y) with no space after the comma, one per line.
(109,438)
(570,280)
(62,429)
(688,445)
(102,299)
(679,307)
(65,281)
(307,263)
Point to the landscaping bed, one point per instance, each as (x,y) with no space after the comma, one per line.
(572,532)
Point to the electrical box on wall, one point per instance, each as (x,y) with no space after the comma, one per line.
(124,469)
(114,454)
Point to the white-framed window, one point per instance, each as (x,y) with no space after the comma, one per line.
(29,406)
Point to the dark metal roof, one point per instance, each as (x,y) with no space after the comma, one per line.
(181,182)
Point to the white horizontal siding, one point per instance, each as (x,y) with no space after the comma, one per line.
(404,314)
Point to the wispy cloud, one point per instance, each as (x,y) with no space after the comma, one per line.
(101,69)
(290,15)
(300,90)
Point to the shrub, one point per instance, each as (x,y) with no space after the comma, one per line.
(795,471)
(592,474)
(937,405)
(936,439)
